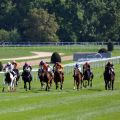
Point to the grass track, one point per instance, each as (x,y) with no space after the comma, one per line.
(87,104)
(9,52)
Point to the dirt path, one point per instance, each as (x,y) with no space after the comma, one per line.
(34,56)
(36,62)
(37,55)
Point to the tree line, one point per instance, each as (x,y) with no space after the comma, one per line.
(59,20)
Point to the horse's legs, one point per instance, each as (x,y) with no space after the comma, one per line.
(85,83)
(81,83)
(112,84)
(56,83)
(61,87)
(12,85)
(46,86)
(29,86)
(74,84)
(16,81)
(77,84)
(25,86)
(3,86)
(106,84)
(90,82)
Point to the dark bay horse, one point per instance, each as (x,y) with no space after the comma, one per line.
(78,77)
(10,80)
(45,77)
(109,77)
(27,77)
(87,78)
(58,78)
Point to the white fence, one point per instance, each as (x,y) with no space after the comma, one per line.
(16,44)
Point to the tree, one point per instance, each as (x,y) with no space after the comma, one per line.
(40,26)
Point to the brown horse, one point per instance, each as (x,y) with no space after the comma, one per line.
(109,77)
(78,78)
(87,78)
(45,77)
(58,78)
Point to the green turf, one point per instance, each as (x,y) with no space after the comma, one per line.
(10,52)
(87,104)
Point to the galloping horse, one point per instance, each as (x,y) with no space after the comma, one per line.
(27,77)
(10,79)
(58,77)
(78,77)
(109,77)
(45,77)
(87,78)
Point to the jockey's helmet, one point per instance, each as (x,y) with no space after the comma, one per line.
(77,65)
(108,63)
(26,64)
(41,62)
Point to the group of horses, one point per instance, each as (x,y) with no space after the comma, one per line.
(47,77)
(85,79)
(82,79)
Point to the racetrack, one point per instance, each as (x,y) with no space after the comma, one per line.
(87,104)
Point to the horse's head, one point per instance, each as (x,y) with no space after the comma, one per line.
(76,72)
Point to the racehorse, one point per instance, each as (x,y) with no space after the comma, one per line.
(17,75)
(109,77)
(45,77)
(10,80)
(27,77)
(87,78)
(58,78)
(78,77)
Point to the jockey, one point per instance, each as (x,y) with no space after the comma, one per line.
(26,65)
(86,67)
(45,67)
(77,66)
(58,67)
(14,63)
(10,68)
(41,65)
(109,65)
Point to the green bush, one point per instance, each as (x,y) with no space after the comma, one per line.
(55,57)
(102,50)
(1,66)
(110,46)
